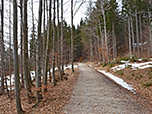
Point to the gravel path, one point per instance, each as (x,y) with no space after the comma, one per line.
(95,94)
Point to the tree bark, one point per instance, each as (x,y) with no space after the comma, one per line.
(10,51)
(129,37)
(44,42)
(133,38)
(105,33)
(21,35)
(114,41)
(53,49)
(91,50)
(27,79)
(141,34)
(47,49)
(38,56)
(62,63)
(2,46)
(137,33)
(58,36)
(72,36)
(16,71)
(102,42)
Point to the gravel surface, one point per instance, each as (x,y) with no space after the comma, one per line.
(95,94)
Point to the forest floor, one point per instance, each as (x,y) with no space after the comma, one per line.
(96,94)
(140,79)
(53,101)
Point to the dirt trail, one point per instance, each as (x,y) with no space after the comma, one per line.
(95,94)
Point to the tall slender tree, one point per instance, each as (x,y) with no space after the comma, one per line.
(26,60)
(16,70)
(72,36)
(21,35)
(47,49)
(58,42)
(38,56)
(2,47)
(10,50)
(53,49)
(62,62)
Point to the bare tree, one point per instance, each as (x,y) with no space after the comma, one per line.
(27,79)
(21,35)
(62,62)
(16,72)
(10,50)
(44,42)
(53,48)
(47,49)
(38,56)
(2,47)
(137,33)
(141,34)
(129,37)
(33,35)
(72,36)
(105,30)
(133,38)
(102,41)
(58,43)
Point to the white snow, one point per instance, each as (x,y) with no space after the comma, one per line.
(90,65)
(134,65)
(118,81)
(32,73)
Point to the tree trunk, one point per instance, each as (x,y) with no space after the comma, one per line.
(44,42)
(16,72)
(53,49)
(95,48)
(47,49)
(133,38)
(129,37)
(72,35)
(105,33)
(150,32)
(33,28)
(58,35)
(91,50)
(21,35)
(137,34)
(10,51)
(102,42)
(2,47)
(62,63)
(38,56)
(114,41)
(27,80)
(141,37)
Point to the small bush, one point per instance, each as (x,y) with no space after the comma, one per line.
(138,76)
(125,58)
(147,84)
(149,77)
(111,65)
(105,64)
(150,69)
(133,74)
(120,72)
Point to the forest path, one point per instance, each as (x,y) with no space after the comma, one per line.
(95,94)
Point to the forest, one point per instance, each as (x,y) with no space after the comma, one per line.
(36,59)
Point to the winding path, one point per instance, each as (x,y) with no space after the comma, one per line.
(95,94)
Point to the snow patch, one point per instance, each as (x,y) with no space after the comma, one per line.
(134,66)
(119,81)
